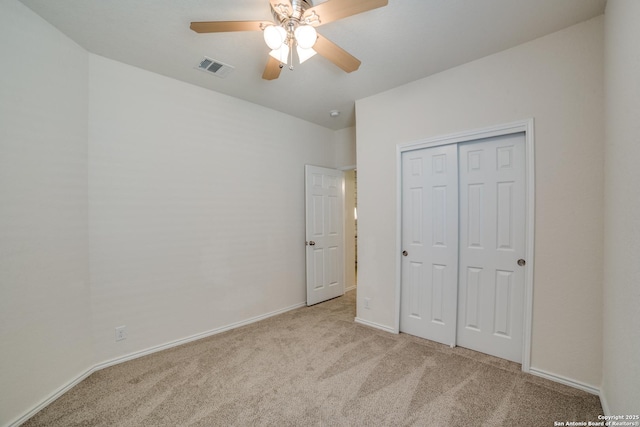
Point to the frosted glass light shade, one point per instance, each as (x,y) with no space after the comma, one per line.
(304,54)
(274,36)
(281,54)
(306,36)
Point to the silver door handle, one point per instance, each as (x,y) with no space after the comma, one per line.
(521,262)
(312,243)
(405,253)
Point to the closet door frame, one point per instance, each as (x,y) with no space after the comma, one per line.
(525,126)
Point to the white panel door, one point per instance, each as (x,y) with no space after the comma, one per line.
(324,233)
(430,243)
(492,240)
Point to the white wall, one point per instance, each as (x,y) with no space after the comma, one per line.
(621,360)
(345,147)
(196,207)
(558,80)
(45,322)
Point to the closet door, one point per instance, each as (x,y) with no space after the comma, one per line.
(492,241)
(463,241)
(430,243)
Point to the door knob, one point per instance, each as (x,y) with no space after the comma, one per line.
(312,243)
(405,253)
(521,262)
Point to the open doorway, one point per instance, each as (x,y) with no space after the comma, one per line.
(350,229)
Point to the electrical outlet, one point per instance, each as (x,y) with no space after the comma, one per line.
(367,303)
(121,333)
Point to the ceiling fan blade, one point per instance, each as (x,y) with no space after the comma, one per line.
(336,54)
(272,70)
(228,26)
(333,10)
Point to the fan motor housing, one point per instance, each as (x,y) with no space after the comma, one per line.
(298,9)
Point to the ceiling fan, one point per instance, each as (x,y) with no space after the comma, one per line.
(295,22)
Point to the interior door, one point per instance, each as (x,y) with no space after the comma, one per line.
(324,233)
(430,243)
(492,241)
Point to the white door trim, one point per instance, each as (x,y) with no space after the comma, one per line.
(525,126)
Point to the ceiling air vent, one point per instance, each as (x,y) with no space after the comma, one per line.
(215,67)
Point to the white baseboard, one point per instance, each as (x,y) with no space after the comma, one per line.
(350,288)
(191,338)
(604,403)
(62,390)
(566,381)
(375,325)
(51,398)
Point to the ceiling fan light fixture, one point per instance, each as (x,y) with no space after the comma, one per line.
(293,25)
(306,36)
(274,36)
(281,54)
(304,54)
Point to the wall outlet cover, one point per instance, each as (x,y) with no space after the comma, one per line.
(121,333)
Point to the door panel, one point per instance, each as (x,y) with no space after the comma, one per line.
(430,239)
(324,223)
(492,211)
(472,307)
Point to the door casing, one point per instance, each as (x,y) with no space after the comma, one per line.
(526,126)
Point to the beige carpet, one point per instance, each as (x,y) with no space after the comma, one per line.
(315,366)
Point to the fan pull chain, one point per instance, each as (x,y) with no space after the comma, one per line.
(291,54)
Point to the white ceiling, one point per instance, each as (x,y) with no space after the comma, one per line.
(401,42)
